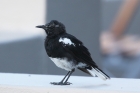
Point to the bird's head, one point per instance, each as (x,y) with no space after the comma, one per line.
(53,28)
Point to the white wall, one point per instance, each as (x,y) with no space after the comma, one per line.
(21,15)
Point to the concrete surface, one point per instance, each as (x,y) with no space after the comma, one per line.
(29,83)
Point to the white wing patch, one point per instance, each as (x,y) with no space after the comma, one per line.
(66,41)
(81,65)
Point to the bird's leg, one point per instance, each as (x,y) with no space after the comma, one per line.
(65,77)
(68,77)
(61,82)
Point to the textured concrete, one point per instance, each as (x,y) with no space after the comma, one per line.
(29,83)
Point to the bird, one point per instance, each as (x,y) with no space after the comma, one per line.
(68,52)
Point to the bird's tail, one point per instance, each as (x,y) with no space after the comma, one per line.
(96,71)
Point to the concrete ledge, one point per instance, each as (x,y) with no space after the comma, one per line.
(28,83)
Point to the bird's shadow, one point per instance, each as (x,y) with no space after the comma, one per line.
(93,86)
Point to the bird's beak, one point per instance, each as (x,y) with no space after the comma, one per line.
(40,26)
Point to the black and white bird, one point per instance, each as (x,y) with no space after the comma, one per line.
(69,53)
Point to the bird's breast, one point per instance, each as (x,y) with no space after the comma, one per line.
(52,47)
(63,63)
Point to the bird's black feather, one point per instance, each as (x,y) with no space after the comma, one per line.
(68,52)
(78,51)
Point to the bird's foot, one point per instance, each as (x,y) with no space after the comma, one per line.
(61,83)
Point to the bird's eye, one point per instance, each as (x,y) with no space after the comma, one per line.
(50,28)
(50,32)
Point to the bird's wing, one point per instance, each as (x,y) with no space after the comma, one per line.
(75,47)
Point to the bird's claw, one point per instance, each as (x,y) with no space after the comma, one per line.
(60,83)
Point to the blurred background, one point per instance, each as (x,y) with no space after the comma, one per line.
(108,28)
